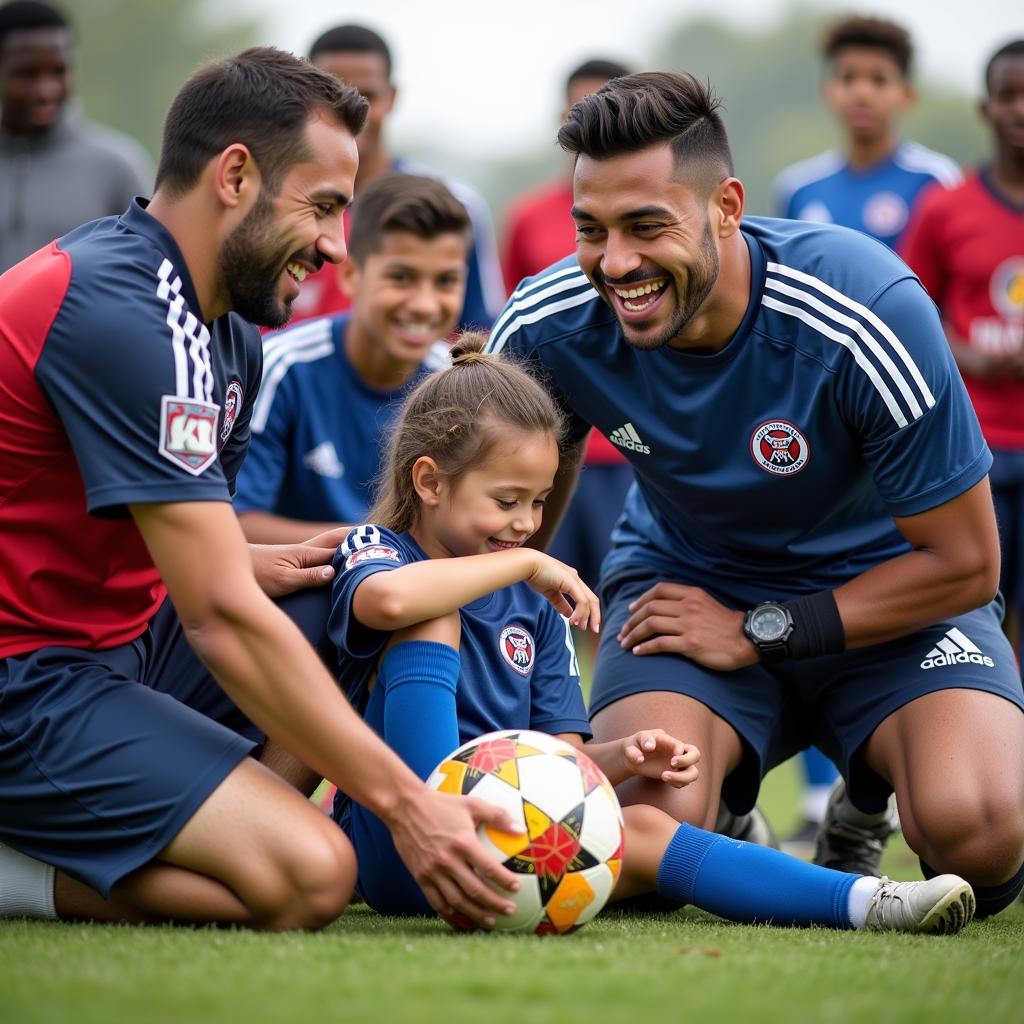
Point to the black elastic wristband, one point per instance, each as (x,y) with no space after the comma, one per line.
(817,627)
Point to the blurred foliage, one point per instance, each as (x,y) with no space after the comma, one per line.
(133,55)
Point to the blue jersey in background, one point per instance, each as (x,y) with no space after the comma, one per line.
(876,200)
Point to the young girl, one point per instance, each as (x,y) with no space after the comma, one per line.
(449,627)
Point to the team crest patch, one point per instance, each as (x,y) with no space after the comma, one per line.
(232,406)
(374,553)
(518,649)
(188,432)
(779,448)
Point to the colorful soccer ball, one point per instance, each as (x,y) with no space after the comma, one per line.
(569,858)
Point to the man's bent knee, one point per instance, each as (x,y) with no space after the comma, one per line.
(312,887)
(982,840)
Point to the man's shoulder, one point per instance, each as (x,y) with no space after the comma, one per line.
(556,303)
(108,148)
(847,261)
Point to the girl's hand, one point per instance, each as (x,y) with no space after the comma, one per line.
(561,584)
(654,754)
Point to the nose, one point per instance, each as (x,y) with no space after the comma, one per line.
(424,300)
(619,257)
(331,243)
(525,522)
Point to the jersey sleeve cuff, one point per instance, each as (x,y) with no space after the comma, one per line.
(101,499)
(946,491)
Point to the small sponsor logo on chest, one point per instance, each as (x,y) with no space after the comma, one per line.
(779,448)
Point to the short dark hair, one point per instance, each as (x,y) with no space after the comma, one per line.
(596,67)
(1014,48)
(873,33)
(25,15)
(635,112)
(422,206)
(261,98)
(352,39)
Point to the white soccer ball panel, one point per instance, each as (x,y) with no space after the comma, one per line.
(602,824)
(497,791)
(528,907)
(553,784)
(602,882)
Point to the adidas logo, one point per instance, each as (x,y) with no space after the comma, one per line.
(955,649)
(627,437)
(323,459)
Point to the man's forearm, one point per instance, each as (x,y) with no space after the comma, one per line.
(267,528)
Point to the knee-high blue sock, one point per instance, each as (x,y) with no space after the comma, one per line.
(990,899)
(418,680)
(748,883)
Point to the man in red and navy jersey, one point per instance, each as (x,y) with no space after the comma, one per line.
(127,379)
(967,247)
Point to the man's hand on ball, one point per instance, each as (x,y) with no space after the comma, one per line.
(436,837)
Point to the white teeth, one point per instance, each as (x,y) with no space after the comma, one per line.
(636,293)
(298,272)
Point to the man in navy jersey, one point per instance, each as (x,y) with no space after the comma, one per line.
(809,554)
(333,386)
(127,381)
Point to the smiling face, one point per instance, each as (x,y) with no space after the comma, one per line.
(865,88)
(35,78)
(286,236)
(408,293)
(496,506)
(645,241)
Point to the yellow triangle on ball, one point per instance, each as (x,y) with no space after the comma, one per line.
(454,772)
(537,822)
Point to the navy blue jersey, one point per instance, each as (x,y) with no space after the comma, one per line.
(876,200)
(112,392)
(772,467)
(519,666)
(318,430)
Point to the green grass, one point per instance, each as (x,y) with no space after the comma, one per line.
(686,966)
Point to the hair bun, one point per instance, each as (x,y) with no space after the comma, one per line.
(469,348)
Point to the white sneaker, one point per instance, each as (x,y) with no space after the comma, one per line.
(943,906)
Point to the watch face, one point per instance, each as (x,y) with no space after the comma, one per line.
(768,624)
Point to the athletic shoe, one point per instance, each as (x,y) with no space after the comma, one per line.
(848,846)
(750,828)
(941,906)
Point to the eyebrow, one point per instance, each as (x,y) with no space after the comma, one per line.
(637,214)
(333,195)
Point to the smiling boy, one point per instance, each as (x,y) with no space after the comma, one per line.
(332,386)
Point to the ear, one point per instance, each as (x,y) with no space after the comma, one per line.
(349,276)
(427,480)
(727,207)
(236,177)
(390,101)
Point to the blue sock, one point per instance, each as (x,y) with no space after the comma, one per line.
(820,770)
(418,680)
(749,883)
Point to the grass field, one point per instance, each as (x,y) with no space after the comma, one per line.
(686,966)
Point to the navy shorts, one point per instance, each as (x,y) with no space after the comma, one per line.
(834,703)
(105,755)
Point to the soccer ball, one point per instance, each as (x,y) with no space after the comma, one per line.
(570,856)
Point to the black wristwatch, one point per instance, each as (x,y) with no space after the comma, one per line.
(768,626)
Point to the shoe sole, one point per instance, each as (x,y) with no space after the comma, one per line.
(951,914)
